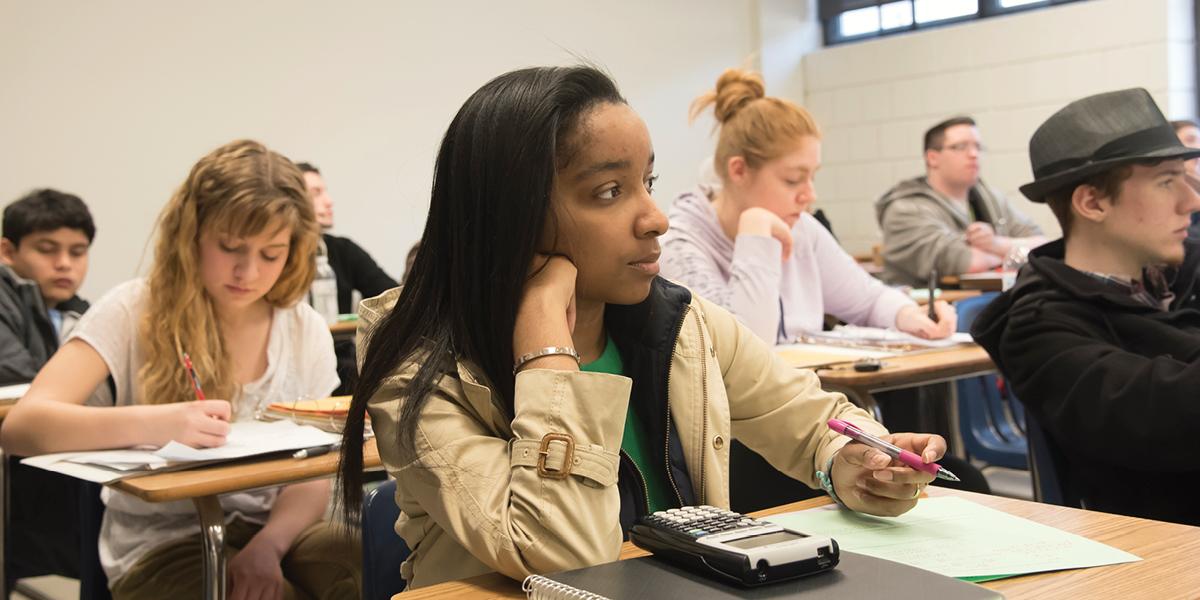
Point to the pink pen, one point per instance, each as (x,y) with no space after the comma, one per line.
(849,430)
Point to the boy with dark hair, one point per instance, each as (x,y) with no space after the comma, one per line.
(43,259)
(949,220)
(1100,336)
(44,251)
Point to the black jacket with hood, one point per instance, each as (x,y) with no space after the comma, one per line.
(1114,382)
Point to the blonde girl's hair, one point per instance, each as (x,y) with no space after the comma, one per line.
(755,126)
(239,190)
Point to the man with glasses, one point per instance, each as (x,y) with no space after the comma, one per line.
(949,220)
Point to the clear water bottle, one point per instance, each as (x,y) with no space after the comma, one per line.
(323,294)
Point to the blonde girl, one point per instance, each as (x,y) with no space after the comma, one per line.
(234,255)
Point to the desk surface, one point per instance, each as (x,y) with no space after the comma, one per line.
(344,327)
(913,369)
(988,281)
(1167,570)
(232,477)
(950,296)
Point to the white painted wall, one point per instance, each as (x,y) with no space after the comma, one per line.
(115,100)
(875,99)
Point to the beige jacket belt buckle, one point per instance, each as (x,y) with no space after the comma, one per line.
(544,451)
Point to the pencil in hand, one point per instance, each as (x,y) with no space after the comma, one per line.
(933,281)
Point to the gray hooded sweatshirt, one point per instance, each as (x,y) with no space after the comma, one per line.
(923,230)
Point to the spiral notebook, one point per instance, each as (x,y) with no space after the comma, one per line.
(856,576)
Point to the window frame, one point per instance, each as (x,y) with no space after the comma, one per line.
(829,11)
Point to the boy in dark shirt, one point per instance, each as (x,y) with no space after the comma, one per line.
(43,260)
(44,250)
(1100,336)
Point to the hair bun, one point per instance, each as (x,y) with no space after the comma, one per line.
(735,89)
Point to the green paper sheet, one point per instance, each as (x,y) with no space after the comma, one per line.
(957,538)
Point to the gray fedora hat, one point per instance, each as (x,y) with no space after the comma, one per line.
(1097,133)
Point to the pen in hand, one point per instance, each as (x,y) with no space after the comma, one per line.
(933,281)
(187,363)
(849,430)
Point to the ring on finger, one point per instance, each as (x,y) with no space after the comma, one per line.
(917,494)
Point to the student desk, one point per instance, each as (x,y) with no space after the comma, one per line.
(923,367)
(344,329)
(987,281)
(1167,568)
(950,296)
(203,485)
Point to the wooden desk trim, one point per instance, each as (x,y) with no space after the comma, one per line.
(238,476)
(912,369)
(344,328)
(950,296)
(1166,571)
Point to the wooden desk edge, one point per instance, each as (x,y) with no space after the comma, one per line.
(343,327)
(1114,530)
(239,476)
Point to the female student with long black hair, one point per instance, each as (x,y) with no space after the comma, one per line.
(235,252)
(534,387)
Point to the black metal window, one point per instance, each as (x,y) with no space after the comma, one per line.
(853,20)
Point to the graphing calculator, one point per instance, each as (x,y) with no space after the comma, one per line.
(732,547)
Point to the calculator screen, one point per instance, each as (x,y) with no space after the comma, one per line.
(765,539)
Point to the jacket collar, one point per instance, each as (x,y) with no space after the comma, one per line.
(1046,264)
(653,322)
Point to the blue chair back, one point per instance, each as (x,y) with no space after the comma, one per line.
(1047,465)
(991,422)
(383,550)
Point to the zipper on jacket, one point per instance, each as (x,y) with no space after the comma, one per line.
(645,488)
(667,402)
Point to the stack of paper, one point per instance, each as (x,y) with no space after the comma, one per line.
(328,414)
(11,393)
(246,438)
(958,538)
(811,356)
(874,337)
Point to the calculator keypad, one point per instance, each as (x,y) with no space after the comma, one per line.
(697,521)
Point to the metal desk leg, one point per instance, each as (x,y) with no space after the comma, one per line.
(4,494)
(212,528)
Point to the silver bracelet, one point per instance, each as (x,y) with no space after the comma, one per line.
(547,351)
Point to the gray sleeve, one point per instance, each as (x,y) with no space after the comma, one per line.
(916,239)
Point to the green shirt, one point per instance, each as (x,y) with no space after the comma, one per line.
(636,442)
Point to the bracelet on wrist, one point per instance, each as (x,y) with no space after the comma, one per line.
(547,351)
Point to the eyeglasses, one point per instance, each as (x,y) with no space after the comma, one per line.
(963,147)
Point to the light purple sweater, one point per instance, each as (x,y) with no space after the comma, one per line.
(747,277)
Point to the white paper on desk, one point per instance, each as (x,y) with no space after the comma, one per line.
(957,538)
(250,438)
(13,392)
(854,334)
(246,438)
(64,462)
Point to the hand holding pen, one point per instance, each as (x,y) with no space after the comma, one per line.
(885,476)
(200,424)
(932,288)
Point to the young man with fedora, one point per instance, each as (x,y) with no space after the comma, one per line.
(1100,336)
